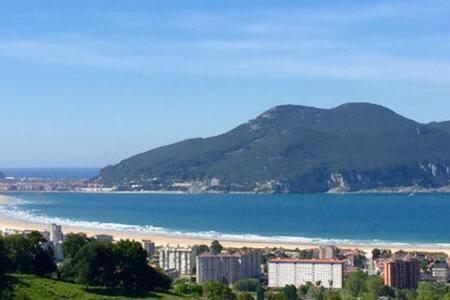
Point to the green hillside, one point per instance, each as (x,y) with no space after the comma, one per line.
(293,148)
(37,288)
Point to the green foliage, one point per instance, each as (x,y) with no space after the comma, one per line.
(130,261)
(186,287)
(202,249)
(37,288)
(276,296)
(215,290)
(216,247)
(259,293)
(332,295)
(290,292)
(72,243)
(376,253)
(122,265)
(305,254)
(4,261)
(28,254)
(92,265)
(356,283)
(245,296)
(429,291)
(246,285)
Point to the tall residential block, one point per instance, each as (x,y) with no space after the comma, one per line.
(56,235)
(228,267)
(328,273)
(402,273)
(177,258)
(148,246)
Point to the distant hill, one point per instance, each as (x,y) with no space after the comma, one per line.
(1,175)
(292,148)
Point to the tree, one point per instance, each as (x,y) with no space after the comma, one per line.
(276,296)
(157,280)
(130,265)
(202,249)
(259,293)
(28,254)
(72,243)
(216,247)
(94,265)
(376,253)
(215,290)
(186,287)
(290,292)
(245,296)
(355,284)
(332,295)
(4,262)
(246,285)
(429,291)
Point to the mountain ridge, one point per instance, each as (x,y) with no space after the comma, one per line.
(294,148)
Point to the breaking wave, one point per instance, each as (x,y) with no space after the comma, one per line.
(12,210)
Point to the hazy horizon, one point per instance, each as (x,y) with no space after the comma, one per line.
(87,84)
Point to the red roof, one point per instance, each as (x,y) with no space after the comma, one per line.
(307,261)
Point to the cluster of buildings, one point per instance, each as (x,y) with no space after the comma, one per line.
(28,184)
(405,270)
(325,266)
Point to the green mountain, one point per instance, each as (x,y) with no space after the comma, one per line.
(291,148)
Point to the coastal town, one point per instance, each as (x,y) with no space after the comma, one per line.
(324,267)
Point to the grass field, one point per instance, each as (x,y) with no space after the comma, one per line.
(30,287)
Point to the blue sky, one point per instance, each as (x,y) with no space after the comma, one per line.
(87,83)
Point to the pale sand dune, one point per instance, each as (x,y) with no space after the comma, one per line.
(8,223)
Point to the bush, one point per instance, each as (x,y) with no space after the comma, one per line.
(186,287)
(245,296)
(246,285)
(215,290)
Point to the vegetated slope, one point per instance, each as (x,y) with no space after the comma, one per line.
(293,148)
(34,287)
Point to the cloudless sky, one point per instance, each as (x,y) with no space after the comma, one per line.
(88,83)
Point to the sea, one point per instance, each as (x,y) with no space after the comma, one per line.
(422,219)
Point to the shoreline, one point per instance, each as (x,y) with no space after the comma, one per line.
(161,239)
(379,191)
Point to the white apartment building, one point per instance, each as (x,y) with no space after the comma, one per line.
(56,235)
(228,267)
(56,238)
(328,272)
(177,258)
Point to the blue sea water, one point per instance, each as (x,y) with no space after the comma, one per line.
(384,218)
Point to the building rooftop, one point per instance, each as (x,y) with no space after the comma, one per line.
(225,254)
(307,261)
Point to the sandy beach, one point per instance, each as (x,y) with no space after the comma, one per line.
(184,240)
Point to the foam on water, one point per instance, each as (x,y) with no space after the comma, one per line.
(13,210)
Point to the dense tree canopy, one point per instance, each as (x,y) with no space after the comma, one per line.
(215,290)
(29,254)
(122,265)
(72,243)
(216,247)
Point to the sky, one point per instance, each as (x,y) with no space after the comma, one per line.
(88,83)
